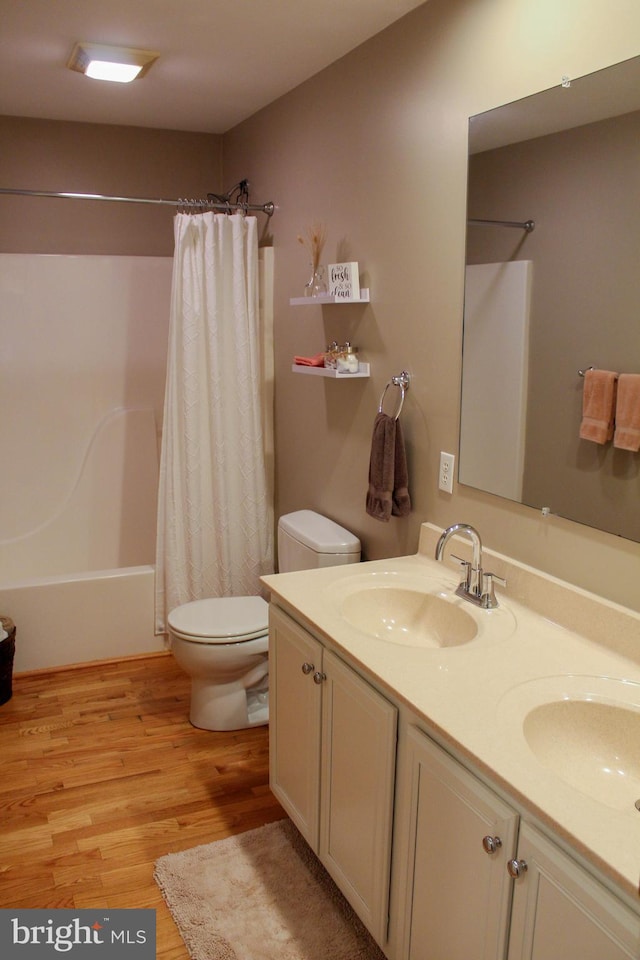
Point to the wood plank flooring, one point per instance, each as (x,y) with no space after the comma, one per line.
(102,773)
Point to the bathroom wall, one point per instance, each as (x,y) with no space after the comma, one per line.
(105,159)
(376,147)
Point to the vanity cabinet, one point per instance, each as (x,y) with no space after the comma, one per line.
(481,883)
(460,835)
(560,912)
(471,878)
(332,764)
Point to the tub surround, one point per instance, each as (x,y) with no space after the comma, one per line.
(82,618)
(471,697)
(78,503)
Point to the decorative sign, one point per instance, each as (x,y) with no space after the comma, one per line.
(344,281)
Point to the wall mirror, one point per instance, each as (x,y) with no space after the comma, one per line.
(544,303)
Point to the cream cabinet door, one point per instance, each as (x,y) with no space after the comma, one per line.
(357,788)
(460,837)
(332,746)
(560,912)
(295,705)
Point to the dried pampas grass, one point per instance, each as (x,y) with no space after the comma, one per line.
(313,240)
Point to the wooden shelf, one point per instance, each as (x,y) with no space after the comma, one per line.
(363,371)
(314,301)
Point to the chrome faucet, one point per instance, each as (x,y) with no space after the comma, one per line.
(476,585)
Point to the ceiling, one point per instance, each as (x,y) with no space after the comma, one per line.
(220,60)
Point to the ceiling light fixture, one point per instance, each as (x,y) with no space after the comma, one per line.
(119,64)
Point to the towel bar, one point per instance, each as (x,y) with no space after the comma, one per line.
(402,382)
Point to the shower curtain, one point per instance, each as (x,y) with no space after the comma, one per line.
(215,528)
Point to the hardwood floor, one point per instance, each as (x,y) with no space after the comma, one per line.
(102,773)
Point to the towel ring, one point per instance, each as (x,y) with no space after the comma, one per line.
(402,382)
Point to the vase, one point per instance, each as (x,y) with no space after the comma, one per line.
(316,286)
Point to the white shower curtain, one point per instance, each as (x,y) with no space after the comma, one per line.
(215,526)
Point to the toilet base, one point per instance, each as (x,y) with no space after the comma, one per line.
(228,706)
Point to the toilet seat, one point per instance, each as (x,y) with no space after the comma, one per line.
(220,620)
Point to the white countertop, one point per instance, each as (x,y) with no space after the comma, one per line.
(474,696)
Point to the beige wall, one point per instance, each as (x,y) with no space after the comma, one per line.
(105,159)
(375,146)
(577,185)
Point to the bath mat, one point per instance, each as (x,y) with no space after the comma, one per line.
(261,895)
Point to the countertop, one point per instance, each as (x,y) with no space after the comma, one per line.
(546,638)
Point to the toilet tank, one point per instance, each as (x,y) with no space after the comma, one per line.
(307,539)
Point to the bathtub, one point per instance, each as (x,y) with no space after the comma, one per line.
(82,617)
(83,352)
(79,585)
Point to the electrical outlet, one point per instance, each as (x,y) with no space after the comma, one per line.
(445,477)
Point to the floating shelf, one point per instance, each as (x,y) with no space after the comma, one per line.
(314,301)
(363,371)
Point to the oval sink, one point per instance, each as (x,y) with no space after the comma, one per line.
(585,730)
(408,616)
(415,611)
(592,745)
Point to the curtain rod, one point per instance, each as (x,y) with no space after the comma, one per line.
(527,225)
(217,204)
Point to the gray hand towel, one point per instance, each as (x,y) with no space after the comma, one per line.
(388,478)
(401,500)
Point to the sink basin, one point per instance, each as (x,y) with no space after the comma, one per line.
(414,611)
(409,617)
(591,744)
(586,731)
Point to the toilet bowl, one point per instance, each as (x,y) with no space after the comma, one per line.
(223,642)
(223,645)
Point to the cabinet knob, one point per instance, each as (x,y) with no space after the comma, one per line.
(491,844)
(318,677)
(307,668)
(516,868)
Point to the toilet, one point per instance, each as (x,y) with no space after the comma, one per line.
(223,642)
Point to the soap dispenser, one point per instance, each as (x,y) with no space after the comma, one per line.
(348,359)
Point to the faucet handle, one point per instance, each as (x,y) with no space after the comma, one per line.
(488,599)
(466,567)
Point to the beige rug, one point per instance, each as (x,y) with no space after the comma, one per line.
(261,895)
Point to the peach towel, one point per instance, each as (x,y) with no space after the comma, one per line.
(317,361)
(627,435)
(598,405)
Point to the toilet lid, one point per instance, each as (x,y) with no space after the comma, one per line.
(221,619)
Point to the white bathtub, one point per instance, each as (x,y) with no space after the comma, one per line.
(103,527)
(100,615)
(82,369)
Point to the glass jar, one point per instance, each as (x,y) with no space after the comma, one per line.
(348,359)
(331,355)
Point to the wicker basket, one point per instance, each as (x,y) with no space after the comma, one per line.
(7,650)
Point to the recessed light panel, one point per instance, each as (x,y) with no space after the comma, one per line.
(119,64)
